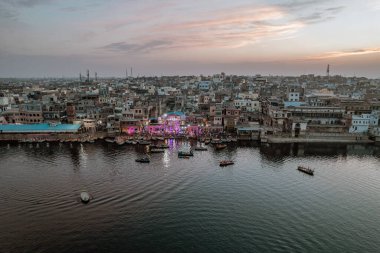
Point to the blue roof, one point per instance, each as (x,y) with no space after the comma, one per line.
(176,113)
(39,128)
(293,103)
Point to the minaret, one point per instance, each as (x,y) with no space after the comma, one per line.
(80,77)
(96,76)
(88,75)
(126,73)
(131,73)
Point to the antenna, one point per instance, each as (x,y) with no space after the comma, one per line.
(131,73)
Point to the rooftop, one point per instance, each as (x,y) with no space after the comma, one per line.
(38,128)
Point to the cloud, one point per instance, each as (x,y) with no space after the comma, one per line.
(9,9)
(225,29)
(137,48)
(6,13)
(320,15)
(337,54)
(25,3)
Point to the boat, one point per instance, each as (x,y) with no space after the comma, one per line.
(144,142)
(143,160)
(185,151)
(207,141)
(85,197)
(162,146)
(226,163)
(200,148)
(157,150)
(220,146)
(109,140)
(306,170)
(120,142)
(215,141)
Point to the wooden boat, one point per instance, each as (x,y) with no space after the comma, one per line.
(220,146)
(109,140)
(185,151)
(306,170)
(120,142)
(85,197)
(215,141)
(157,150)
(200,149)
(143,160)
(143,142)
(226,163)
(162,146)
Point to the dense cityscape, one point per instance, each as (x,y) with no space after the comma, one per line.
(283,109)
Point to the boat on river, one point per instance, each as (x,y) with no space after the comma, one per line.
(200,148)
(143,160)
(157,150)
(185,151)
(109,140)
(220,146)
(306,170)
(85,197)
(143,142)
(226,163)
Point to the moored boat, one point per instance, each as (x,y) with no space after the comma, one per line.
(185,151)
(110,140)
(143,142)
(157,150)
(220,146)
(226,163)
(143,160)
(306,170)
(200,148)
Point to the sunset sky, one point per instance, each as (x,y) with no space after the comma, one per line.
(41,38)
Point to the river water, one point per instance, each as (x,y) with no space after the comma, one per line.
(259,204)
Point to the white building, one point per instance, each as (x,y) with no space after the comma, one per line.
(293,96)
(204,85)
(360,123)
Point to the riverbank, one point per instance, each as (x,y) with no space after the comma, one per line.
(337,139)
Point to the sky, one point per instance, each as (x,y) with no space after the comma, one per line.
(62,38)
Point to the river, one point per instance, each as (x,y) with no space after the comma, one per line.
(259,204)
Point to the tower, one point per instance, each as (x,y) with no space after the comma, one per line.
(96,76)
(88,76)
(328,70)
(126,73)
(80,77)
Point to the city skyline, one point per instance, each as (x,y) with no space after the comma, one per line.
(62,38)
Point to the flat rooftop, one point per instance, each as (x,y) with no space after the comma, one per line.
(39,128)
